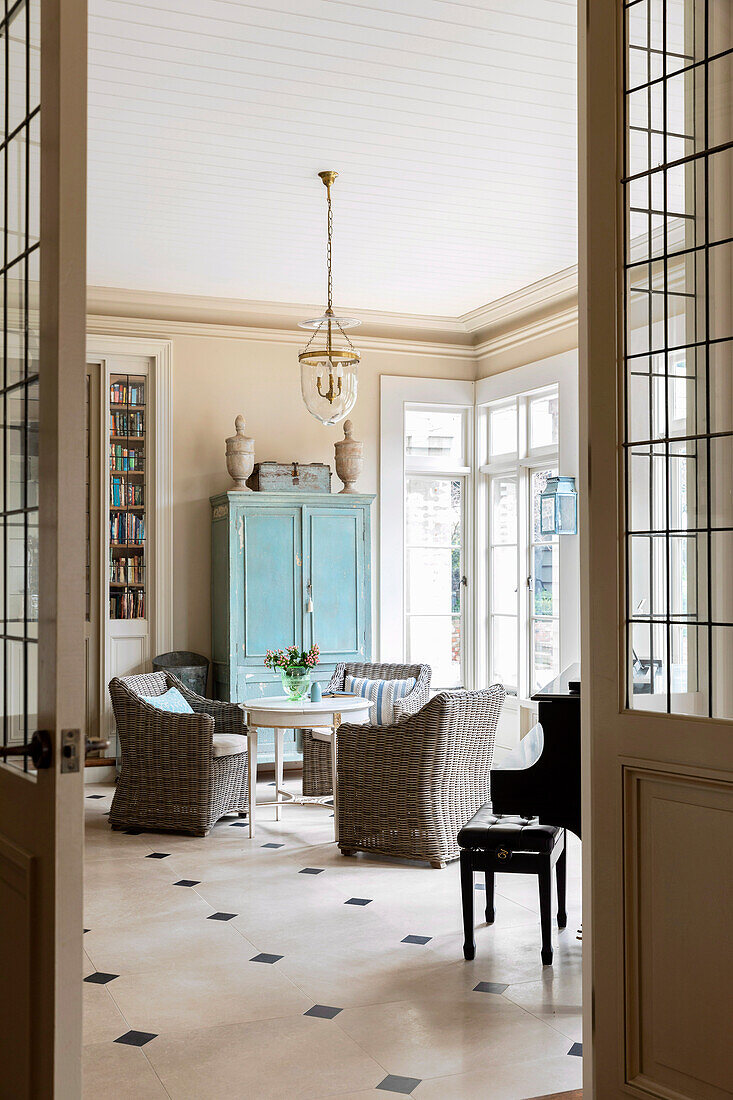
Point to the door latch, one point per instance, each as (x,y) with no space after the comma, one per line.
(70,751)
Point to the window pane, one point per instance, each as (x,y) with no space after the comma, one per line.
(503,430)
(545,652)
(433,582)
(504,580)
(543,417)
(436,640)
(503,510)
(433,512)
(539,484)
(435,434)
(544,580)
(504,638)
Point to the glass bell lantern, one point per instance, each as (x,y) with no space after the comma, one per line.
(329,362)
(559,507)
(329,368)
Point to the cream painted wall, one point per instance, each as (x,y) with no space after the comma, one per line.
(216,377)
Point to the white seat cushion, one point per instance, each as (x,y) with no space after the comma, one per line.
(323,733)
(228,744)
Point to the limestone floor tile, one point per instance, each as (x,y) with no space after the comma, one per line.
(103,1020)
(511,954)
(271,1060)
(117,891)
(181,996)
(421,1039)
(155,942)
(515,1081)
(556,999)
(115,1072)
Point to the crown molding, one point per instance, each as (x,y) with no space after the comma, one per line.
(541,309)
(111,325)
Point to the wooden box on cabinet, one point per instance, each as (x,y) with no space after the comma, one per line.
(270,554)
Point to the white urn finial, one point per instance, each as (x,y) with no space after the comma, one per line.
(240,455)
(349,458)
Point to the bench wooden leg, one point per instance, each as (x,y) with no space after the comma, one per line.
(469,943)
(490,912)
(545,882)
(561,872)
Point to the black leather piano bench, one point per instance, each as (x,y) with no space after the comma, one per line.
(514,845)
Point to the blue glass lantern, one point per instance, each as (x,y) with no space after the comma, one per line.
(559,507)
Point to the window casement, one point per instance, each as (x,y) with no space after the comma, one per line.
(523,644)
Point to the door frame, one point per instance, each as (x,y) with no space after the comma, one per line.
(100,349)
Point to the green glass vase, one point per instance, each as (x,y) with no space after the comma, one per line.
(296,682)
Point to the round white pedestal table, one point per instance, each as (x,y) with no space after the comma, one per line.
(279,713)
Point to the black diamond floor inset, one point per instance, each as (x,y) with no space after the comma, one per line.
(95,796)
(239,825)
(221,916)
(158,855)
(100,978)
(577,1050)
(358,901)
(136,1038)
(417,939)
(188,882)
(271,844)
(263,957)
(311,871)
(402,1085)
(324,1012)
(87,930)
(490,987)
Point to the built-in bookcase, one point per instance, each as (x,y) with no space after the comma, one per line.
(127,434)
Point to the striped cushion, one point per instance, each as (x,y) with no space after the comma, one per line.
(385,694)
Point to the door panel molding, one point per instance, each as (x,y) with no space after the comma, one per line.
(669,863)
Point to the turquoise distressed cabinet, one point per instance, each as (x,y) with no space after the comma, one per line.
(270,554)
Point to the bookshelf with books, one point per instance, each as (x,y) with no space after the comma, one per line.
(127,496)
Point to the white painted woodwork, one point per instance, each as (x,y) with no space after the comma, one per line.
(41,818)
(453,126)
(126,646)
(657,788)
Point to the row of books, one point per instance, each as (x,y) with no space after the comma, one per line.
(126,527)
(127,423)
(124,492)
(127,605)
(127,570)
(127,393)
(125,458)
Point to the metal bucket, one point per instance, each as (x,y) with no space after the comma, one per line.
(191,668)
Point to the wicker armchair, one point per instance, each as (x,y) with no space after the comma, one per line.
(406,790)
(317,777)
(171,779)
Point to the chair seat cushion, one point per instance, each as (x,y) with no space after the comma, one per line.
(228,744)
(385,694)
(517,834)
(322,733)
(171,701)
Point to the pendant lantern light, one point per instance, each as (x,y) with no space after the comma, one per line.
(329,362)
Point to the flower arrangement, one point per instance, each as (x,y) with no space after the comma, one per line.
(292,658)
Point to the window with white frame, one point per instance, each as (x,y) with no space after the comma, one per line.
(435,493)
(523,567)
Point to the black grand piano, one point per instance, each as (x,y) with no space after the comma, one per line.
(541,777)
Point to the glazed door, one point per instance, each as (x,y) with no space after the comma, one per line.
(42,512)
(334,559)
(656,353)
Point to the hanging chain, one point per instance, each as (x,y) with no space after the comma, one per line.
(328,249)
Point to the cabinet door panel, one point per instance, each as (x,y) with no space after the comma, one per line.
(334,553)
(270,605)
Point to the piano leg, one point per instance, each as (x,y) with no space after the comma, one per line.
(469,943)
(490,913)
(545,881)
(561,872)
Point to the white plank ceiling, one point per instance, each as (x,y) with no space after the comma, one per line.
(452,124)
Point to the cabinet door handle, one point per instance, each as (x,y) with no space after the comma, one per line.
(309,601)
